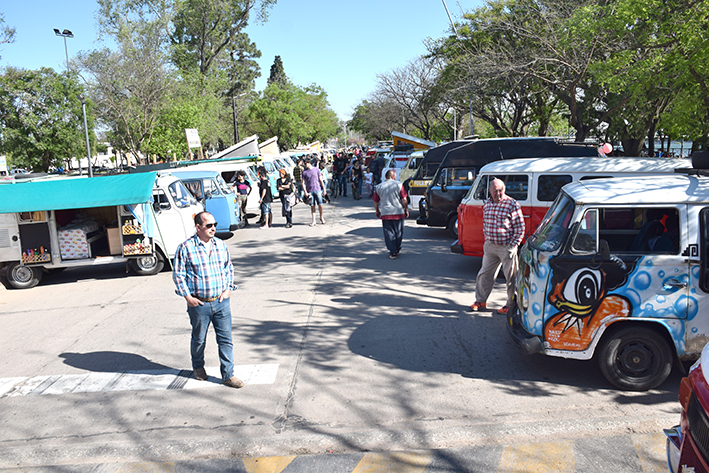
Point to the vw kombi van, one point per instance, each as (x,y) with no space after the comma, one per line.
(535,183)
(618,270)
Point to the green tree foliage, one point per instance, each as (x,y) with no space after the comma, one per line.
(7,33)
(41,118)
(294,114)
(278,74)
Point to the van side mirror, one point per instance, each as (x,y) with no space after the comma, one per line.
(444,187)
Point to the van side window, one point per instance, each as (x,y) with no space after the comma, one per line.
(516,186)
(195,187)
(481,191)
(160,197)
(210,186)
(586,240)
(458,176)
(550,185)
(640,230)
(704,249)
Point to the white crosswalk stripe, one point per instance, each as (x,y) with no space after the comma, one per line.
(131,381)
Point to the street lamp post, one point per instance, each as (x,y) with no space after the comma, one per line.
(86,133)
(65,34)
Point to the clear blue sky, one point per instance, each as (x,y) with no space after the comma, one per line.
(338,45)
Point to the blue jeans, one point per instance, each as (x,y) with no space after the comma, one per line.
(218,313)
(343,185)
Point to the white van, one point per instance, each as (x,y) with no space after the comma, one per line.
(535,183)
(618,269)
(64,222)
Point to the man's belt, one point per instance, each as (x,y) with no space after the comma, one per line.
(206,299)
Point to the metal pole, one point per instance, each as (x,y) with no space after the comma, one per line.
(66,51)
(86,133)
(236,127)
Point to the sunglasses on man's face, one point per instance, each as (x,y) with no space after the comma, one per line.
(210,225)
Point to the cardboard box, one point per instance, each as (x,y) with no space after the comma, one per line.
(114,241)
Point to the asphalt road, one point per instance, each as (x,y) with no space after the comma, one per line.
(344,352)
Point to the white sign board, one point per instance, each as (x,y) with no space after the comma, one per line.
(3,164)
(193,138)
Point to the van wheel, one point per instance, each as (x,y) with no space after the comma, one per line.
(149,264)
(452,227)
(23,277)
(635,358)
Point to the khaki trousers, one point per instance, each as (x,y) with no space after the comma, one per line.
(495,256)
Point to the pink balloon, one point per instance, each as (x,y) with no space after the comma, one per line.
(607,148)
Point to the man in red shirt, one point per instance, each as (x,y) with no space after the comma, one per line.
(503,227)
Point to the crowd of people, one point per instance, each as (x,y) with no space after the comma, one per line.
(315,181)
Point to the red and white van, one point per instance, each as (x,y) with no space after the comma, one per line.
(536,182)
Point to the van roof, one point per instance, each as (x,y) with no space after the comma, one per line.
(194,173)
(670,189)
(588,165)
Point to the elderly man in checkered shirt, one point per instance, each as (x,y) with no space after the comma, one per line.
(503,227)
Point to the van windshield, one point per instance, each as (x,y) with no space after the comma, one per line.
(551,231)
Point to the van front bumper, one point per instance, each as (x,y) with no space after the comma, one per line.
(525,341)
(456,247)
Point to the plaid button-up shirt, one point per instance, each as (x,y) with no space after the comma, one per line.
(201,271)
(503,223)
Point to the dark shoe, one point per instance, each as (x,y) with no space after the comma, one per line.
(200,374)
(289,225)
(392,256)
(234,382)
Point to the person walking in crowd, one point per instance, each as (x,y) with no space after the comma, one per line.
(204,275)
(357,177)
(285,190)
(326,179)
(314,185)
(368,182)
(391,205)
(503,228)
(265,198)
(298,178)
(343,169)
(243,189)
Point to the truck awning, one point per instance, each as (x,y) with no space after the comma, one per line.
(76,193)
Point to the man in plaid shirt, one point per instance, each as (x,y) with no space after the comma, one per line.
(503,227)
(204,276)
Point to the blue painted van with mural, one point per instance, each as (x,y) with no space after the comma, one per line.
(618,269)
(218,198)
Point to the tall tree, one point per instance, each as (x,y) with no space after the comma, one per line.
(41,118)
(278,74)
(294,114)
(131,86)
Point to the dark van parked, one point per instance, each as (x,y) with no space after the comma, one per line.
(456,174)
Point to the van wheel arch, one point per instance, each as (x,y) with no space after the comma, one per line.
(452,225)
(19,276)
(636,356)
(149,264)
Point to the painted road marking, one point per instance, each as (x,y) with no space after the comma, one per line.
(538,457)
(165,379)
(394,462)
(267,464)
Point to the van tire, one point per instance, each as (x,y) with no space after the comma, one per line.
(148,265)
(23,277)
(635,358)
(452,226)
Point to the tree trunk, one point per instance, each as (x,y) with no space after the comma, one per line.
(632,146)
